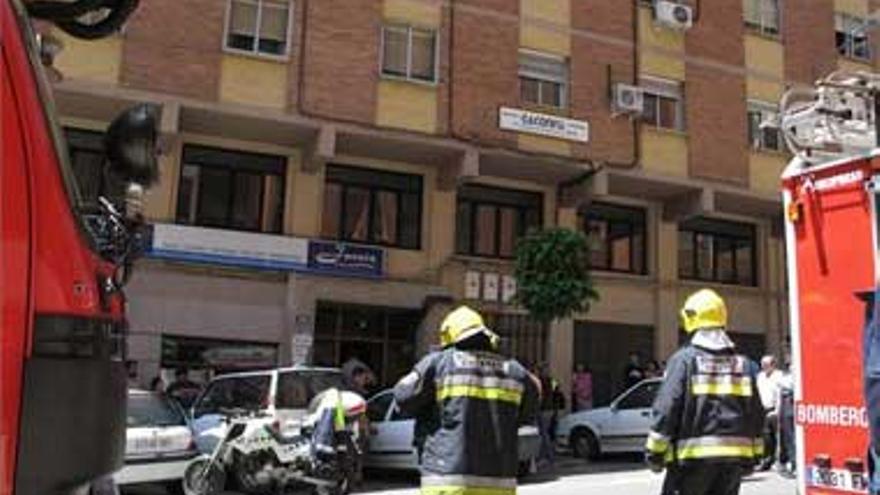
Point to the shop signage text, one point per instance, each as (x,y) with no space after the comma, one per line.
(345,259)
(514,119)
(263,251)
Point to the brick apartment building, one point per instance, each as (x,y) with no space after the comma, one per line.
(338,173)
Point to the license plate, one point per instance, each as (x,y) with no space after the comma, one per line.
(838,479)
(140,445)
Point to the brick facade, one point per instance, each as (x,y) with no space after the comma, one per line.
(485,64)
(808,31)
(175,47)
(595,66)
(715,97)
(341,59)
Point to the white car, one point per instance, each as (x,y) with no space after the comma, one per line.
(391,437)
(621,427)
(158,441)
(283,395)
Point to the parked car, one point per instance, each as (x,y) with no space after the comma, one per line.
(158,441)
(621,427)
(281,394)
(391,437)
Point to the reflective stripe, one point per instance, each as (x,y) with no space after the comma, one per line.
(657,443)
(721,364)
(715,446)
(465,490)
(721,385)
(466,480)
(480,381)
(476,392)
(759,447)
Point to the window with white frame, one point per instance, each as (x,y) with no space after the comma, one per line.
(409,53)
(543,79)
(259,26)
(768,138)
(852,36)
(762,16)
(664,103)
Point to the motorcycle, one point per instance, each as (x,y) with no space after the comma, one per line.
(323,455)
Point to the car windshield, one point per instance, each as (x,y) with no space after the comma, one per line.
(149,410)
(297,388)
(235,394)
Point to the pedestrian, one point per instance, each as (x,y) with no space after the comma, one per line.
(582,388)
(633,373)
(552,401)
(653,370)
(707,415)
(468,402)
(787,454)
(184,390)
(768,388)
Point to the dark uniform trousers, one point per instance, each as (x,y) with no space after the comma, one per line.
(708,479)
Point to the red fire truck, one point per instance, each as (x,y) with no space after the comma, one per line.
(64,262)
(831,204)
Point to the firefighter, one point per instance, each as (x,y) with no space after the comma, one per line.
(708,417)
(468,402)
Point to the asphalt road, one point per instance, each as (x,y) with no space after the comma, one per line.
(623,476)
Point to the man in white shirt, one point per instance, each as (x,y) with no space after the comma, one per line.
(768,387)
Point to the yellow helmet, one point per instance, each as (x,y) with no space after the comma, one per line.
(704,309)
(463,323)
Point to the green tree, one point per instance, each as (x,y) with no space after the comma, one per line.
(552,274)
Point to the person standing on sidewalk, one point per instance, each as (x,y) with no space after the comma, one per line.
(468,402)
(582,389)
(768,386)
(707,414)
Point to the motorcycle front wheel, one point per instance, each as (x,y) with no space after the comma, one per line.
(198,481)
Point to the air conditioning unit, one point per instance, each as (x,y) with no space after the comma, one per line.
(674,15)
(628,98)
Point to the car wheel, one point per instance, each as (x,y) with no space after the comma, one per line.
(584,444)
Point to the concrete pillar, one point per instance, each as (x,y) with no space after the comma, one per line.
(560,353)
(427,335)
(666,333)
(304,202)
(299,328)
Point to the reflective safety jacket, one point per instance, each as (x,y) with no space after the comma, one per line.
(468,407)
(707,410)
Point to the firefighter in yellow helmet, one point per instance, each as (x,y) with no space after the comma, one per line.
(707,415)
(468,402)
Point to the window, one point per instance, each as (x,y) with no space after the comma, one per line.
(229,394)
(149,411)
(852,36)
(372,207)
(664,104)
(231,190)
(258,26)
(409,53)
(762,16)
(87,159)
(641,397)
(543,79)
(717,251)
(296,389)
(768,138)
(489,220)
(617,237)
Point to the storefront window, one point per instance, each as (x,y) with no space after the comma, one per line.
(717,251)
(372,207)
(490,221)
(382,338)
(216,356)
(231,190)
(617,237)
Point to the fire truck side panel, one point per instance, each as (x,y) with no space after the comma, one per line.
(71,420)
(830,237)
(15,251)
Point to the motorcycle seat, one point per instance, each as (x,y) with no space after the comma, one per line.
(285,440)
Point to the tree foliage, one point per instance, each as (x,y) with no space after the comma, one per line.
(552,274)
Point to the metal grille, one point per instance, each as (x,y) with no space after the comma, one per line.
(521,337)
